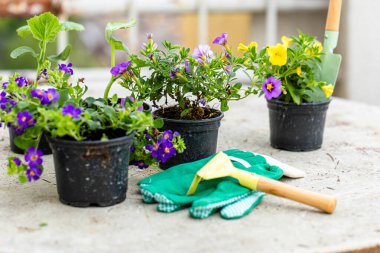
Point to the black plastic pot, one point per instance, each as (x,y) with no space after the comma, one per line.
(200,136)
(43,145)
(297,127)
(91,173)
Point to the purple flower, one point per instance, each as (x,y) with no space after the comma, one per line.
(176,133)
(51,95)
(187,67)
(25,119)
(173,73)
(17,161)
(148,137)
(43,74)
(221,40)
(66,68)
(227,68)
(33,156)
(167,151)
(122,103)
(203,54)
(155,149)
(21,81)
(12,103)
(202,102)
(38,93)
(167,135)
(120,68)
(33,173)
(19,129)
(3,97)
(5,85)
(132,149)
(140,164)
(272,88)
(71,111)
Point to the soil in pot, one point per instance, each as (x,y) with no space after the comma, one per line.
(92,172)
(43,145)
(297,127)
(200,135)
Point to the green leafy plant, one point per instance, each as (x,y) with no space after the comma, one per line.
(287,71)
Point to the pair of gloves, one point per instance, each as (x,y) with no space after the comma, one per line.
(226,195)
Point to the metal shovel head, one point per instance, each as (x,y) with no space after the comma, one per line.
(330,62)
(219,166)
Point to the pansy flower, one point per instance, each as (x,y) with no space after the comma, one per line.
(33,156)
(71,111)
(272,88)
(21,81)
(66,68)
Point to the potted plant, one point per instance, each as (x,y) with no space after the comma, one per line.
(183,86)
(44,29)
(297,102)
(91,138)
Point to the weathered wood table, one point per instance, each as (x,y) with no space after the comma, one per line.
(348,166)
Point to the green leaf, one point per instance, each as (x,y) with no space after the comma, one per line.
(23,50)
(114,26)
(23,179)
(63,96)
(22,105)
(24,143)
(296,98)
(24,31)
(224,106)
(45,27)
(158,123)
(71,26)
(61,56)
(186,112)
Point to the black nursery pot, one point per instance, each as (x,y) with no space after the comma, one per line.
(200,136)
(297,127)
(43,145)
(91,173)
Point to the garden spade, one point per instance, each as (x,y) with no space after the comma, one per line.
(221,166)
(331,62)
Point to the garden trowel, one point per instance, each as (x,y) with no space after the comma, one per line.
(221,166)
(331,62)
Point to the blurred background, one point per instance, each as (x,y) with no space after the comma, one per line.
(191,22)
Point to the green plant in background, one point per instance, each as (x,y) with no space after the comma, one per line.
(287,71)
(44,28)
(191,80)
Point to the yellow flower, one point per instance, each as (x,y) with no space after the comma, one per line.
(277,55)
(242,48)
(328,90)
(286,41)
(299,71)
(317,45)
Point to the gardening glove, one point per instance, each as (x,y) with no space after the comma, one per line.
(169,188)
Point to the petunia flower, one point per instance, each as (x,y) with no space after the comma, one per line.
(66,68)
(5,85)
(33,156)
(155,149)
(221,40)
(3,97)
(277,55)
(33,173)
(167,135)
(38,93)
(140,164)
(203,54)
(71,111)
(120,68)
(21,81)
(244,48)
(272,88)
(168,150)
(17,161)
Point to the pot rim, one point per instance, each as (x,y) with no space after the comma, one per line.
(113,141)
(278,102)
(189,121)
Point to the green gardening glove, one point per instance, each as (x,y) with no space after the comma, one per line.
(169,188)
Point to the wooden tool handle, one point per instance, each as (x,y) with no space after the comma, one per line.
(333,15)
(320,201)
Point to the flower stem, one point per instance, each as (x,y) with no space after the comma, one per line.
(113,58)
(108,88)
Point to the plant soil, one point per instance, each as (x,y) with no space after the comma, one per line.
(198,113)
